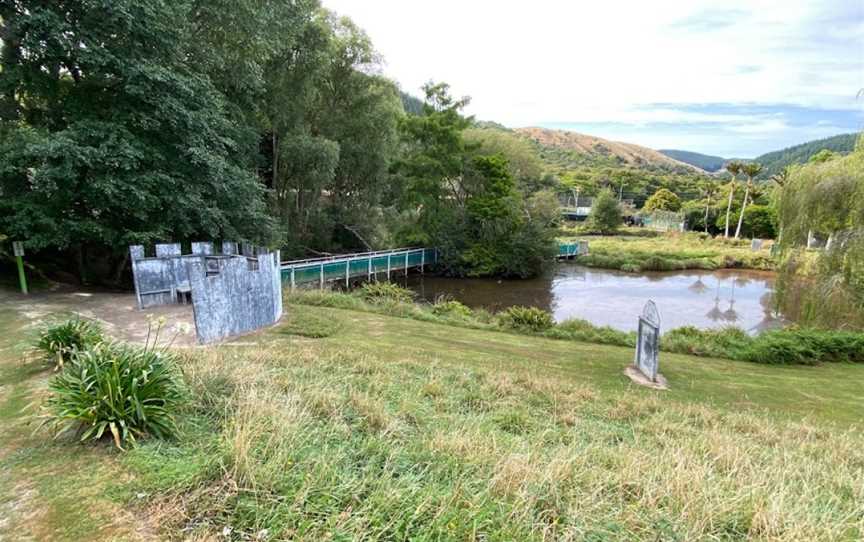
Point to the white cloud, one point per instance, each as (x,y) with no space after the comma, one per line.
(548,60)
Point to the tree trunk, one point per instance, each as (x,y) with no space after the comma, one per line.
(707,206)
(79,260)
(729,208)
(743,208)
(118,273)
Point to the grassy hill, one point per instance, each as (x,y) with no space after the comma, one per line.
(774,162)
(586,149)
(702,161)
(345,425)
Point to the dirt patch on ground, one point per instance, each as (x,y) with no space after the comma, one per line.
(117,312)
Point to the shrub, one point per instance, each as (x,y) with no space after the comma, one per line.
(806,347)
(451,308)
(61,341)
(125,391)
(663,200)
(526,319)
(605,214)
(385,291)
(575,329)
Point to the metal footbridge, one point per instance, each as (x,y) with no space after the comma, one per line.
(384,263)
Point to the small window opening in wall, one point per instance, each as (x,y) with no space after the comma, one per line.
(211,266)
(253,264)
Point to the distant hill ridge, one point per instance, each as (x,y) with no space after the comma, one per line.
(702,161)
(625,153)
(772,162)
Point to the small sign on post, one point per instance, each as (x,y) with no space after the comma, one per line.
(645,368)
(18,251)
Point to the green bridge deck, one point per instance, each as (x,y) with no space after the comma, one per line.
(370,264)
(348,266)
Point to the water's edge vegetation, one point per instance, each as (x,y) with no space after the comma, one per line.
(786,346)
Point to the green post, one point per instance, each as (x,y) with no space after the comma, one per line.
(18,250)
(21,277)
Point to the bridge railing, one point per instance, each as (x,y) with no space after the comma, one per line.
(347,266)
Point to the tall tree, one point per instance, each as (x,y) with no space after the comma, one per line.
(111,135)
(734,168)
(751,170)
(469,206)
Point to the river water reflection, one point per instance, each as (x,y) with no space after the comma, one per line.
(705,299)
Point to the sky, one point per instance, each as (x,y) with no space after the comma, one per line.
(730,78)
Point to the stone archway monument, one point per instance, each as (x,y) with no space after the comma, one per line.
(646,364)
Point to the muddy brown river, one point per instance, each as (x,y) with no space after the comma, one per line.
(705,299)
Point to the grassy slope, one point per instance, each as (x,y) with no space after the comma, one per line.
(668,252)
(48,491)
(385,426)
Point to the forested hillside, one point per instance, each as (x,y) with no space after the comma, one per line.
(775,162)
(702,161)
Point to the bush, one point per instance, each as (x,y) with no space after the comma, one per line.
(376,292)
(806,347)
(526,319)
(123,391)
(663,200)
(60,342)
(451,308)
(605,214)
(575,329)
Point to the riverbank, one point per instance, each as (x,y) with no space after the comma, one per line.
(636,250)
(346,424)
(773,347)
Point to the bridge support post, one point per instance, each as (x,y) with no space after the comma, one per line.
(293,284)
(321,277)
(369,278)
(422,260)
(347,272)
(388,267)
(406,263)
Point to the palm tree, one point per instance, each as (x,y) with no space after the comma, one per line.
(751,170)
(734,168)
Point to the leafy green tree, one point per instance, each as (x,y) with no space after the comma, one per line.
(111,135)
(524,164)
(823,156)
(605,214)
(760,221)
(663,200)
(469,206)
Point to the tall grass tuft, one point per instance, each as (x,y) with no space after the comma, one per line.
(385,292)
(61,341)
(526,318)
(119,390)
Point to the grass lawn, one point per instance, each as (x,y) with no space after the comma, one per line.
(644,250)
(345,425)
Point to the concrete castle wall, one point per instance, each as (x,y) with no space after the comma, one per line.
(231,294)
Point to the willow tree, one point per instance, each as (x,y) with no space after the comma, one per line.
(826,199)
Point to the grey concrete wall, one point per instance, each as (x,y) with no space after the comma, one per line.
(157,279)
(238,299)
